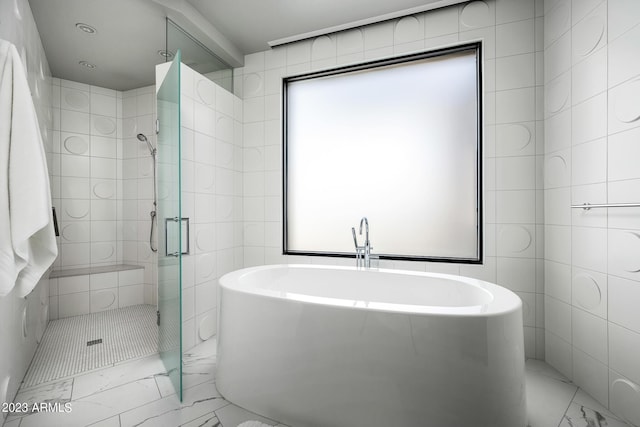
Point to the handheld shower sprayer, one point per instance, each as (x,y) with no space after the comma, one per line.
(142,138)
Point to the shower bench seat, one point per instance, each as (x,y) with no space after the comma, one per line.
(78,291)
(69,272)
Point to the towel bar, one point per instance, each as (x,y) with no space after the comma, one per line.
(587,206)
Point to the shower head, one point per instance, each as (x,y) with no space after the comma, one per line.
(143,138)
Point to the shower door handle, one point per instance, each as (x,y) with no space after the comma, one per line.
(172,247)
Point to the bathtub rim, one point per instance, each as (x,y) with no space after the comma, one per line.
(504,300)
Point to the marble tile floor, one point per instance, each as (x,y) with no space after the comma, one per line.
(138,393)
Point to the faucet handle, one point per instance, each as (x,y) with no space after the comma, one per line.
(355,239)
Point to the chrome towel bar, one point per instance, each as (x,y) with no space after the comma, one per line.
(587,206)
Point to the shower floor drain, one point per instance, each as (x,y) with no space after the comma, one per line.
(94,342)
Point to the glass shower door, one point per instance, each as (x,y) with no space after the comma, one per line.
(170,226)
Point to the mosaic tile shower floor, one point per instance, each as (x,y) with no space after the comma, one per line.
(125,334)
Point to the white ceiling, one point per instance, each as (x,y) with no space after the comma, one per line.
(131,32)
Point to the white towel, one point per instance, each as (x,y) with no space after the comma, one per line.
(27,238)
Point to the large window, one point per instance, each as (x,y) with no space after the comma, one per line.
(397,141)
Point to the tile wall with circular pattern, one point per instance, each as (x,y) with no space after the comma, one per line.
(592,122)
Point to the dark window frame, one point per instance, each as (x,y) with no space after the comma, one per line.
(474,46)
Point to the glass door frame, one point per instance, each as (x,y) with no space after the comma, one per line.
(169,221)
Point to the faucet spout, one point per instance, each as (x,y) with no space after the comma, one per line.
(367,244)
(366,223)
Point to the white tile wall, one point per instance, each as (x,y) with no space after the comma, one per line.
(589,291)
(589,334)
(513,149)
(104,177)
(623,348)
(623,397)
(73,304)
(86,167)
(592,374)
(212,193)
(621,291)
(107,179)
(138,116)
(593,46)
(91,293)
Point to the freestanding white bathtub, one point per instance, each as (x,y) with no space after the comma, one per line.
(337,346)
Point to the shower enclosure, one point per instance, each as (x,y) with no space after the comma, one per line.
(104,177)
(180,326)
(169,224)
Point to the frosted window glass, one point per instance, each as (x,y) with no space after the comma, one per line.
(398,144)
